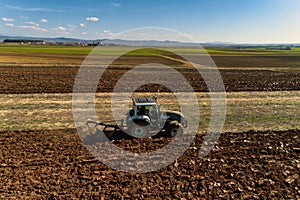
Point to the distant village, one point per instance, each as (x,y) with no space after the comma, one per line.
(50,43)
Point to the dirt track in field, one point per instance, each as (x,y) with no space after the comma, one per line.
(55,165)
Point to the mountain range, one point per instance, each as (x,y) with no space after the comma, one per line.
(156,43)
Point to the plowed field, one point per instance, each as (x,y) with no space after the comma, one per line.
(239,73)
(55,165)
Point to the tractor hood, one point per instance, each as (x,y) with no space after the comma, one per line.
(171,112)
(175,115)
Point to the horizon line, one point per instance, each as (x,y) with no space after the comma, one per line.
(140,40)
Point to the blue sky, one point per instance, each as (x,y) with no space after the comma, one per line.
(245,21)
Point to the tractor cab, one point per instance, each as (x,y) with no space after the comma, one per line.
(145,106)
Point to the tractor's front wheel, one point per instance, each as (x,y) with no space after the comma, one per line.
(139,130)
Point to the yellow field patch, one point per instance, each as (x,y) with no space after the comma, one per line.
(245,110)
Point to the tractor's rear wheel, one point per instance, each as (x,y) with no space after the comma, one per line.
(174,129)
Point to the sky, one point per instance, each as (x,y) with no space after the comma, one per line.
(239,21)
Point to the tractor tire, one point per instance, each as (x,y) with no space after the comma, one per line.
(174,129)
(139,130)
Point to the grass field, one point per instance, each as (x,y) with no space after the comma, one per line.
(117,50)
(245,110)
(45,49)
(225,58)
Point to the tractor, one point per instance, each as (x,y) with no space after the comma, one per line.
(146,119)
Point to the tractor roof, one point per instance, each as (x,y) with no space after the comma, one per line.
(142,101)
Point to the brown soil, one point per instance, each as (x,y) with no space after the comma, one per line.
(55,165)
(61,80)
(239,73)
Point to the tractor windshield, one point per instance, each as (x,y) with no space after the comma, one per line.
(146,110)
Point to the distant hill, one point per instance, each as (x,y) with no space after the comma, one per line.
(149,43)
(106,41)
(59,39)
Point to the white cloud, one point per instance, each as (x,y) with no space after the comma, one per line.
(43,20)
(34,9)
(82,25)
(116,4)
(107,33)
(72,27)
(7,19)
(84,33)
(60,28)
(9,24)
(35,28)
(66,30)
(92,19)
(97,34)
(32,23)
(24,17)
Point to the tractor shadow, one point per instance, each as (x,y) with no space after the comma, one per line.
(112,135)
